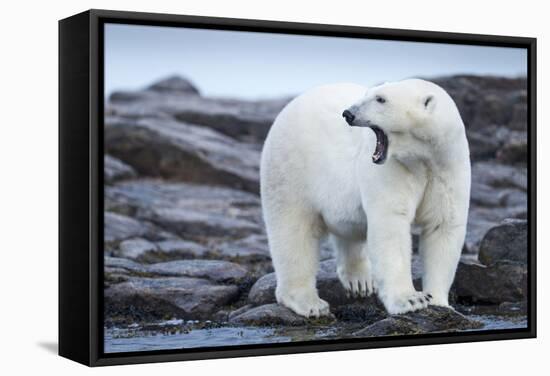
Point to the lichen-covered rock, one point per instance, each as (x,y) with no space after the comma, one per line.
(429,320)
(182,297)
(507,241)
(502,281)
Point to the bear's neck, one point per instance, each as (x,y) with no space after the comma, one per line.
(441,156)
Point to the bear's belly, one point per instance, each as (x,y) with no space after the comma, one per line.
(351,224)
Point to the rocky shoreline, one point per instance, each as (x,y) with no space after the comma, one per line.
(185,241)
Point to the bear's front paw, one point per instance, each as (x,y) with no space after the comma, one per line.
(406,302)
(304,304)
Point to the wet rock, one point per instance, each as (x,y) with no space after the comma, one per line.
(507,241)
(115,170)
(189,210)
(513,308)
(180,297)
(238,311)
(502,281)
(162,147)
(134,248)
(214,270)
(431,319)
(269,315)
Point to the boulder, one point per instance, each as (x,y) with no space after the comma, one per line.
(482,219)
(269,315)
(188,210)
(502,281)
(429,320)
(162,147)
(139,299)
(507,241)
(263,291)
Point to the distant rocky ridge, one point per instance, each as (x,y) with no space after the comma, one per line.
(184,236)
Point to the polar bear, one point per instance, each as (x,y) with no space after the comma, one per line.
(362,166)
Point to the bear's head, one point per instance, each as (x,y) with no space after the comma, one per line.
(411,119)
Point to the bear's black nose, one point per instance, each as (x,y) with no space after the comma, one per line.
(348,116)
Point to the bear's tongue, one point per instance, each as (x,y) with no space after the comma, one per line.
(381,150)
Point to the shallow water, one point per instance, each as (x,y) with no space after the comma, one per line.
(195,338)
(171,335)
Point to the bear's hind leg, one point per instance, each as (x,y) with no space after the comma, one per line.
(294,245)
(352,265)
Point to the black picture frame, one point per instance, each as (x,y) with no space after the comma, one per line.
(81,101)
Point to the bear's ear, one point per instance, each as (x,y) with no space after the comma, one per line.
(429,102)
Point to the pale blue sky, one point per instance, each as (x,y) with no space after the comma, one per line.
(260,65)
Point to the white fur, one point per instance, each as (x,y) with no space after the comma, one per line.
(318,179)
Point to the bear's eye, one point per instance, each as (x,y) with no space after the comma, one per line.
(380,99)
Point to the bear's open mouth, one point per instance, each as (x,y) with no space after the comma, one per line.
(381,150)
